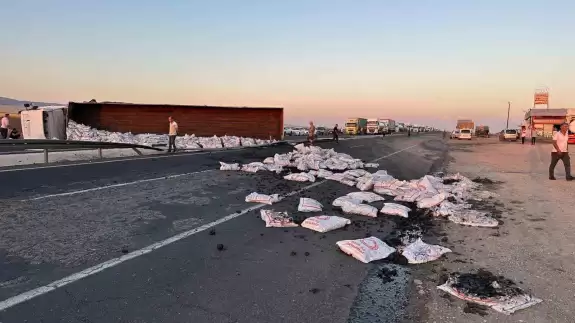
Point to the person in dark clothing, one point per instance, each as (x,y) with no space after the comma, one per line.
(14,134)
(336,133)
(561,152)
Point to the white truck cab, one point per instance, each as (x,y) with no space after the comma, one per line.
(44,123)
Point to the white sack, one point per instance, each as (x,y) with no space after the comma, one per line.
(365,184)
(325,223)
(323,173)
(446,208)
(395,209)
(234,166)
(371,165)
(420,252)
(300,177)
(282,160)
(340,201)
(275,219)
(359,209)
(366,250)
(367,197)
(269,160)
(430,202)
(408,196)
(263,198)
(250,168)
(356,172)
(473,218)
(309,205)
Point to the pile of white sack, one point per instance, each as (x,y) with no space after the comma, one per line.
(76,131)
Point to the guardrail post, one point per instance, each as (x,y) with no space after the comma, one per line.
(100,153)
(45,156)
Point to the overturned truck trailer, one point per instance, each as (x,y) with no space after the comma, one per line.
(261,123)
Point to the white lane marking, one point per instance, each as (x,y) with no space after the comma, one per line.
(26,296)
(117,185)
(356,146)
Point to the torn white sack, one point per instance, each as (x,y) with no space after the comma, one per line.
(473,218)
(430,202)
(234,166)
(420,252)
(275,219)
(263,198)
(300,177)
(340,201)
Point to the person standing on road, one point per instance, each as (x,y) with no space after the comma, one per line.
(560,152)
(533,136)
(311,134)
(336,133)
(523,135)
(172,134)
(5,123)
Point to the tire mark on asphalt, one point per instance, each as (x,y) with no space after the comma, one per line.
(26,296)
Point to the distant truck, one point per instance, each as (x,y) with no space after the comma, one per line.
(465,124)
(373,126)
(482,131)
(356,126)
(387,126)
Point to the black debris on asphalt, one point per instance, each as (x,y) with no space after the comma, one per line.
(212,232)
(293,253)
(386,274)
(314,290)
(220,247)
(485,284)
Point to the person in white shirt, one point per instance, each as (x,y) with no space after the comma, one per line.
(172,134)
(560,152)
(4,124)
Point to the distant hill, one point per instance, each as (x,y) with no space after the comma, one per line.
(14,102)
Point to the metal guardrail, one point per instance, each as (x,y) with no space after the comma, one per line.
(63,145)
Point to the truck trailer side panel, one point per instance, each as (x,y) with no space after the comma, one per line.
(261,123)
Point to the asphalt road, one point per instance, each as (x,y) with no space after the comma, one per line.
(58,221)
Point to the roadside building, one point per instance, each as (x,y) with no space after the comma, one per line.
(544,121)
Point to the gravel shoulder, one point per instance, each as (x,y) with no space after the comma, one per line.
(534,246)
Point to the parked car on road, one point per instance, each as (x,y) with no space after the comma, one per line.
(508,135)
(464,134)
(454,134)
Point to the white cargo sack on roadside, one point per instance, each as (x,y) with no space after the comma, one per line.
(324,223)
(300,177)
(356,172)
(359,209)
(309,205)
(446,208)
(430,202)
(250,168)
(263,198)
(234,166)
(275,219)
(367,197)
(340,201)
(420,252)
(395,209)
(366,250)
(371,165)
(364,184)
(408,196)
(473,218)
(269,160)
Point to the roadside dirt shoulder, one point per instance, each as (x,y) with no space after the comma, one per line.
(534,246)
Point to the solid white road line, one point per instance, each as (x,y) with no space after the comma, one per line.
(117,185)
(355,146)
(21,298)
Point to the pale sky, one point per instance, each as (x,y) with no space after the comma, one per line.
(322,60)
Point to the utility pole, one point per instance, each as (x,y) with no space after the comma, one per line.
(508,109)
